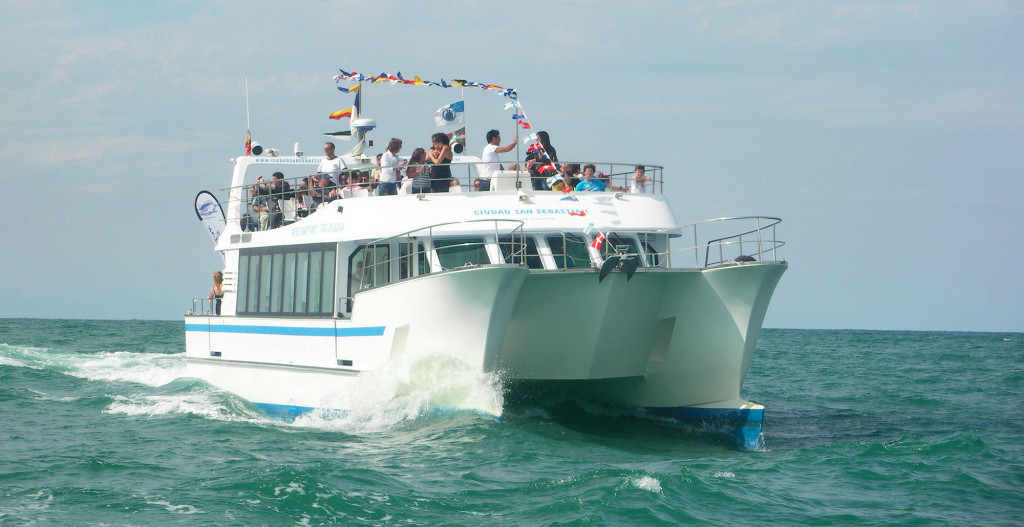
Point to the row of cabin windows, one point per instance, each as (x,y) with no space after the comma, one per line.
(287,280)
(301,280)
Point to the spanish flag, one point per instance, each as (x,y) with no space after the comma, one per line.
(248,143)
(342,113)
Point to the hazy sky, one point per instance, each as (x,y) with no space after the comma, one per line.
(888,136)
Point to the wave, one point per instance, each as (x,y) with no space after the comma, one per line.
(197,401)
(152,369)
(406,389)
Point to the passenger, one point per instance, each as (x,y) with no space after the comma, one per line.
(639,181)
(217,291)
(568,179)
(405,187)
(353,183)
(440,155)
(280,190)
(491,162)
(375,173)
(364,181)
(320,190)
(300,203)
(607,180)
(455,183)
(336,191)
(260,206)
(389,164)
(331,165)
(478,184)
(545,143)
(248,219)
(420,172)
(590,183)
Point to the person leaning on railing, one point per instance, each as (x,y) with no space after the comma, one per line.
(440,156)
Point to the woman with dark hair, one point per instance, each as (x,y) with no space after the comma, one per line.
(545,143)
(440,156)
(419,172)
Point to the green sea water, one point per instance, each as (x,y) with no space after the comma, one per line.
(99,426)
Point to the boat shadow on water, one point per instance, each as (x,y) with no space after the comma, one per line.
(535,407)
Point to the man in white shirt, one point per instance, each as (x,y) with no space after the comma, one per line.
(491,163)
(331,165)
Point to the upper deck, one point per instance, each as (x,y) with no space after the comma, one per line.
(351,214)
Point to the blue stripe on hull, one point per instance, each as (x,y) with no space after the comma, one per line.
(284,411)
(368,331)
(743,425)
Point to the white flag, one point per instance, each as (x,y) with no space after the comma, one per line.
(453,114)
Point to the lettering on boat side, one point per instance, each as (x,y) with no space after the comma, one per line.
(323,228)
(287,160)
(533,213)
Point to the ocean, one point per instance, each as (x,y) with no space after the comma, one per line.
(100,426)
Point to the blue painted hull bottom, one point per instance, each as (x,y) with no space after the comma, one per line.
(740,425)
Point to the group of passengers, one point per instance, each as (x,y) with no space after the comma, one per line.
(425,171)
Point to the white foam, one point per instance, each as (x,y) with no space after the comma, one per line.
(143,368)
(292,487)
(406,389)
(646,483)
(177,509)
(202,403)
(153,369)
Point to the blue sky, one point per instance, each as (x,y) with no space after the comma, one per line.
(888,136)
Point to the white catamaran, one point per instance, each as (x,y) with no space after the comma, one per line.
(601,295)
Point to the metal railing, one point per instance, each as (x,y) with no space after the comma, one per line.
(423,254)
(464,175)
(755,241)
(757,237)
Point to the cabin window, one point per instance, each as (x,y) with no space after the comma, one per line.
(369,267)
(459,252)
(253,283)
(276,282)
(287,281)
(569,251)
(412,260)
(512,250)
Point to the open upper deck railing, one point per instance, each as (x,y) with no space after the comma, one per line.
(359,182)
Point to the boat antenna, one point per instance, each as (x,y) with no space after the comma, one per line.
(248,134)
(247,101)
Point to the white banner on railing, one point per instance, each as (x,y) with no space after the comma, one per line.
(212,216)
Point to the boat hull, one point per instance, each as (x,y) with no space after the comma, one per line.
(304,363)
(675,342)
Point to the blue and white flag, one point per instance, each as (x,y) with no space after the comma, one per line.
(453,114)
(209,212)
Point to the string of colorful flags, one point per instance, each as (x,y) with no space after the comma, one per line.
(453,114)
(446,115)
(417,81)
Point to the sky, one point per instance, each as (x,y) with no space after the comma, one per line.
(888,136)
